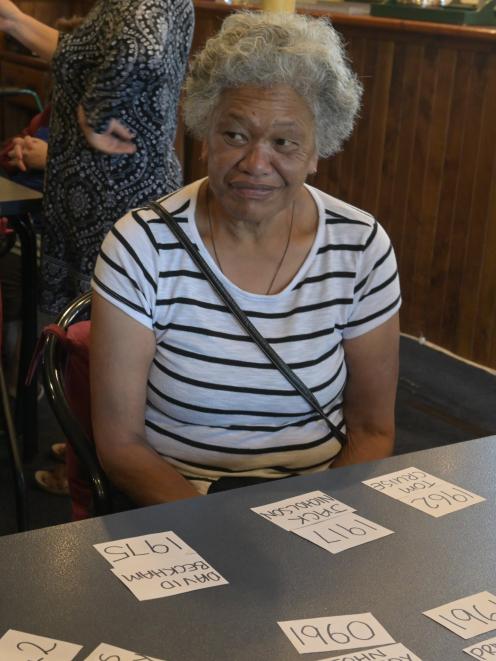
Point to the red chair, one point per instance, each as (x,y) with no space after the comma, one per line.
(65,363)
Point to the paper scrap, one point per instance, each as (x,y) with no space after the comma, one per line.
(164,577)
(423,491)
(467,617)
(396,652)
(486,650)
(343,532)
(122,551)
(21,646)
(303,510)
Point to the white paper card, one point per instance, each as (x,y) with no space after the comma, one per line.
(104,652)
(424,491)
(20,646)
(339,632)
(306,509)
(469,616)
(164,577)
(396,652)
(343,532)
(485,650)
(120,552)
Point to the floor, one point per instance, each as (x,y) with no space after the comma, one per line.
(441,400)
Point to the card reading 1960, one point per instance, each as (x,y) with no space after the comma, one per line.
(338,632)
(425,492)
(21,646)
(469,616)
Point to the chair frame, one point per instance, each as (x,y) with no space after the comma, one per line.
(53,375)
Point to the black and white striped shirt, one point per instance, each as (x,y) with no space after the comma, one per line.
(216,406)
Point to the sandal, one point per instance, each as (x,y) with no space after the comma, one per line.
(57,450)
(52,481)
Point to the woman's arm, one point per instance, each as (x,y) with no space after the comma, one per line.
(33,34)
(370,394)
(121,353)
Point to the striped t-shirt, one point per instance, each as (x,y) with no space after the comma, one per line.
(215,405)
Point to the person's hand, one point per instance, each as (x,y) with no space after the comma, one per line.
(35,153)
(117,139)
(16,154)
(28,153)
(8,13)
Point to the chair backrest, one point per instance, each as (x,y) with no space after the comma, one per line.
(66,376)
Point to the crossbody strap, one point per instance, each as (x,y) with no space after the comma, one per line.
(244,321)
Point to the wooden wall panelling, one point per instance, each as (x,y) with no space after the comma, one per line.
(470,228)
(485,337)
(402,222)
(471,339)
(452,202)
(487,314)
(424,188)
(453,114)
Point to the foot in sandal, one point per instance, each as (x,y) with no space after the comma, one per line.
(53,481)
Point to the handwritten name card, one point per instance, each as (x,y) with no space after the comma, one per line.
(299,511)
(158,565)
(323,520)
(425,492)
(339,632)
(485,650)
(396,652)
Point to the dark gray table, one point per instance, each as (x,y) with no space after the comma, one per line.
(16,202)
(54,583)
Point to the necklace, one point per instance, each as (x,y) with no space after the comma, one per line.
(286,247)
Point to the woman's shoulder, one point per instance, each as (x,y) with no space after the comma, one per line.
(144,222)
(333,207)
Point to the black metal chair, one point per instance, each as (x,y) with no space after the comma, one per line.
(13,447)
(22,91)
(55,363)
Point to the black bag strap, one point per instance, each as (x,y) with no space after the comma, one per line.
(251,330)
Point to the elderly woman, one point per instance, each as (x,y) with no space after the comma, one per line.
(181,396)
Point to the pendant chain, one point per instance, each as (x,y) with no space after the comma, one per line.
(279,265)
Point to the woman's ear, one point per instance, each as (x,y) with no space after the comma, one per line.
(312,165)
(204,151)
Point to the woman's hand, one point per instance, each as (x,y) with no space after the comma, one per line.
(28,153)
(117,139)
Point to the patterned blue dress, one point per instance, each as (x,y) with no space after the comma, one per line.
(127,61)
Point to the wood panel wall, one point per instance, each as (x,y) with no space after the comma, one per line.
(422,159)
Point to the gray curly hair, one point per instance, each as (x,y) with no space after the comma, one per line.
(266,49)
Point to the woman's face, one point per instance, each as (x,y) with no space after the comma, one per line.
(260,149)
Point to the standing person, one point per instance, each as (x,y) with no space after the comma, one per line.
(117,80)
